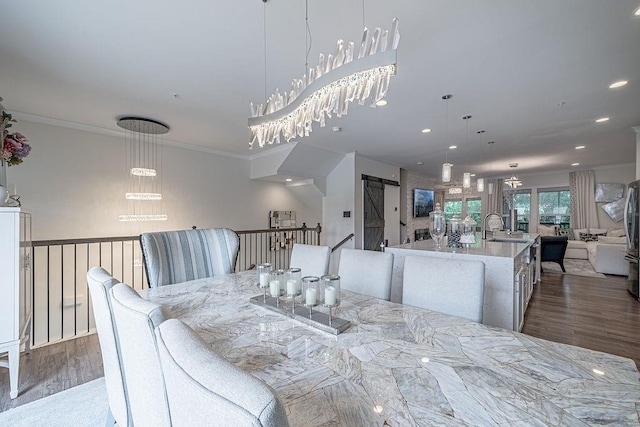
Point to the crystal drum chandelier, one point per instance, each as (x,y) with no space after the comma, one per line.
(513,182)
(144,157)
(328,88)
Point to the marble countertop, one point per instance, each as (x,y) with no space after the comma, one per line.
(404,365)
(502,248)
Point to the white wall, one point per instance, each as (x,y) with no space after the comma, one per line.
(392,227)
(339,198)
(73,183)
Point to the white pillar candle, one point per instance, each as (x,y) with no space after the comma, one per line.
(291,287)
(311,297)
(264,280)
(274,287)
(330,295)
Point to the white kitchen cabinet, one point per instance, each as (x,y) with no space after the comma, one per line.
(16,290)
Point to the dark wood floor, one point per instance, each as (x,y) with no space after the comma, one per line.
(593,313)
(598,314)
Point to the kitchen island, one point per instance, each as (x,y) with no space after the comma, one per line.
(512,267)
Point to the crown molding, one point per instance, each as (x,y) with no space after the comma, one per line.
(119,134)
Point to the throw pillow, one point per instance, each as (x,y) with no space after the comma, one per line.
(588,237)
(566,232)
(545,230)
(615,232)
(577,231)
(612,240)
(602,231)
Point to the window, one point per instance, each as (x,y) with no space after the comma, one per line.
(520,200)
(554,207)
(452,207)
(474,210)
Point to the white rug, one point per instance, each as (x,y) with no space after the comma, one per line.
(84,405)
(576,267)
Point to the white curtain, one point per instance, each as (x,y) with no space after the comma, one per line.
(494,200)
(582,188)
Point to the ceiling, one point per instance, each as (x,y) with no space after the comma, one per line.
(533,74)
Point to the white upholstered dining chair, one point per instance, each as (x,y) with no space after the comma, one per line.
(446,285)
(312,260)
(135,320)
(366,272)
(205,389)
(100,282)
(179,256)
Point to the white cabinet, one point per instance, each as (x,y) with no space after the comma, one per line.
(527,267)
(16,289)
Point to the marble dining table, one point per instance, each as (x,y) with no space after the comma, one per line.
(399,365)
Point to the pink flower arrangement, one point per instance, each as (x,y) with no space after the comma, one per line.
(14,145)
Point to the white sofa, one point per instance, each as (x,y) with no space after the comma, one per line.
(608,258)
(605,255)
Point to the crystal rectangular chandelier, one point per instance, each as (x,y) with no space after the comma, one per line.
(328,88)
(144,158)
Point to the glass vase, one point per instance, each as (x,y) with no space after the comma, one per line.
(437,226)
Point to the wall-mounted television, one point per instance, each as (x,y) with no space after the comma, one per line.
(422,202)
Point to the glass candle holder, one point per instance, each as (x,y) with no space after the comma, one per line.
(293,281)
(330,289)
(262,271)
(310,291)
(293,285)
(276,284)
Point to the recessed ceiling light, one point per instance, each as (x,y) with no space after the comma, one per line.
(602,120)
(288,180)
(426,130)
(420,163)
(336,129)
(579,147)
(381,103)
(575,164)
(453,147)
(619,83)
(598,371)
(637,12)
(473,174)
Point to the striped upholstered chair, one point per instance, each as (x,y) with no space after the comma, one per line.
(178,256)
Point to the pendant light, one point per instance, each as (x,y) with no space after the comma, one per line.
(480,181)
(466,177)
(446,166)
(490,186)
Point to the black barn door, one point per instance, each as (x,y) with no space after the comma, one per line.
(373,214)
